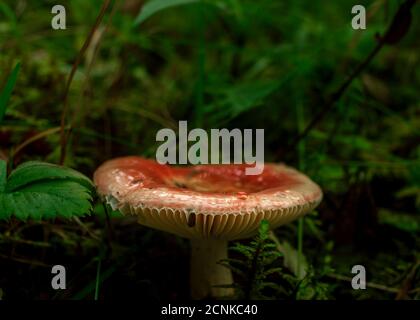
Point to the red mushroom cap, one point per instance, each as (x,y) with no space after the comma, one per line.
(217,201)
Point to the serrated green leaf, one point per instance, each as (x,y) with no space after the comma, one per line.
(7,91)
(37,190)
(34,171)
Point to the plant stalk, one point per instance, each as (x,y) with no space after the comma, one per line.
(206,272)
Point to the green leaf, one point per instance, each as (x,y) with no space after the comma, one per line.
(33,171)
(3,175)
(154,6)
(273,286)
(9,14)
(7,91)
(264,229)
(402,221)
(236,270)
(240,98)
(291,257)
(40,190)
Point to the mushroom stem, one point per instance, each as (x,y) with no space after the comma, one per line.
(206,272)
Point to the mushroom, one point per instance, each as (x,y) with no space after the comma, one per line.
(209,204)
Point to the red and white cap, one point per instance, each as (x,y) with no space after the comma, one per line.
(206,201)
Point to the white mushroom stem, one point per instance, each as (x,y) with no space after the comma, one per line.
(205,270)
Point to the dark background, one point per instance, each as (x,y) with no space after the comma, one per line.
(230,64)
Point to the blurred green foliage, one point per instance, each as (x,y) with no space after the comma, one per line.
(236,64)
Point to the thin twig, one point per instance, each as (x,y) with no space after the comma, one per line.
(8,239)
(368,284)
(63,136)
(91,58)
(405,288)
(335,97)
(24,261)
(35,138)
(86,229)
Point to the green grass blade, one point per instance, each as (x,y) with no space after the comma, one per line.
(154,6)
(7,91)
(98,278)
(91,287)
(10,16)
(3,175)
(300,117)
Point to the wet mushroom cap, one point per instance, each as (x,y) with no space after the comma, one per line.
(205,201)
